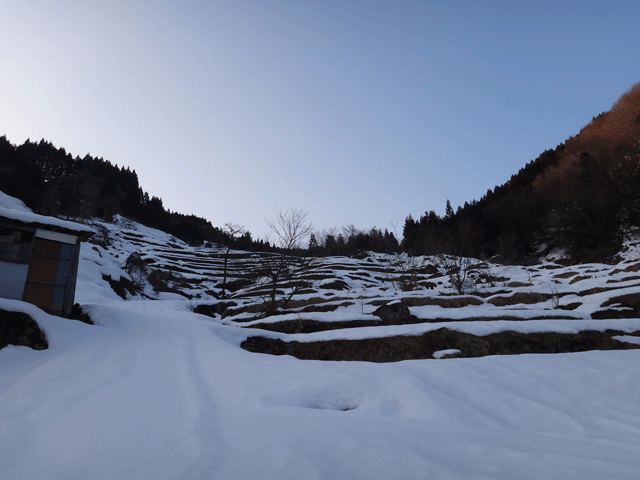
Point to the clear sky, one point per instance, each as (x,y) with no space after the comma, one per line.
(357,111)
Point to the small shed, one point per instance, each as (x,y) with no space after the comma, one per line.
(39,259)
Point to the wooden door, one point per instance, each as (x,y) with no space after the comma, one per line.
(48,275)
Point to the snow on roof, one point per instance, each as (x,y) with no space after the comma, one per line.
(13,203)
(13,209)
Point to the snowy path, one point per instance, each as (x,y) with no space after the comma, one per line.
(157,392)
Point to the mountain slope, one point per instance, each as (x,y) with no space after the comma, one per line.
(581,197)
(154,390)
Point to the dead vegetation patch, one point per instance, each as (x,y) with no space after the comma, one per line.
(625,279)
(292,304)
(213,309)
(17,328)
(527,298)
(306,325)
(614,313)
(634,267)
(565,275)
(325,307)
(579,278)
(121,287)
(631,300)
(570,306)
(398,348)
(593,291)
(625,306)
(444,302)
(335,285)
(488,293)
(314,304)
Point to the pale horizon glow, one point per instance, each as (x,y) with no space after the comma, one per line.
(357,112)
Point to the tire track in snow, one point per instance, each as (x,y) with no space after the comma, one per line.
(206,415)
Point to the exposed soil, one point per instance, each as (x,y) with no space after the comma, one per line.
(78,314)
(213,309)
(519,298)
(625,306)
(444,302)
(121,286)
(398,348)
(305,325)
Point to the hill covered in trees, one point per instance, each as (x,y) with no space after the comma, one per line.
(51,181)
(582,197)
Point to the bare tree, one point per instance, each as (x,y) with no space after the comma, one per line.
(459,268)
(283,270)
(409,268)
(233,231)
(291,229)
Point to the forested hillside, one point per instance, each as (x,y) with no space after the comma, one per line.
(52,182)
(582,197)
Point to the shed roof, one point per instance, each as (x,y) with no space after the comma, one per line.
(13,210)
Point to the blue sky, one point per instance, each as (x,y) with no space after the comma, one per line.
(357,112)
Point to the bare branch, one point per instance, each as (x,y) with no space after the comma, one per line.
(233,230)
(291,229)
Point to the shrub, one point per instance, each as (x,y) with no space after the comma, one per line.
(138,270)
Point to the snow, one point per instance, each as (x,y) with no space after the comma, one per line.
(14,209)
(154,390)
(627,339)
(449,351)
(12,203)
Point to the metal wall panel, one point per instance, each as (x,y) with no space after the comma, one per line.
(50,274)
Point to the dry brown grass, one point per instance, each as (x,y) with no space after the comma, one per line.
(570,306)
(518,298)
(307,301)
(634,267)
(625,279)
(306,325)
(398,348)
(626,306)
(594,290)
(565,275)
(579,278)
(444,302)
(448,302)
(325,307)
(313,304)
(631,300)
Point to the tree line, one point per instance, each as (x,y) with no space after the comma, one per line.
(578,197)
(50,181)
(582,201)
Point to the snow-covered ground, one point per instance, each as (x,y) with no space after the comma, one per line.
(154,390)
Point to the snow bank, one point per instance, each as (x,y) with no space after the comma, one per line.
(156,391)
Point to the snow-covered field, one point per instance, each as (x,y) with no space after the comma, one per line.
(155,391)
